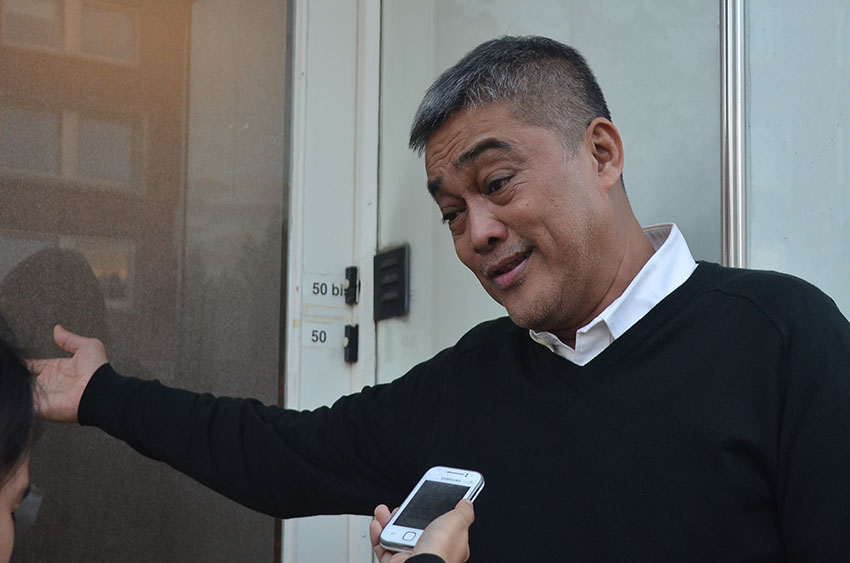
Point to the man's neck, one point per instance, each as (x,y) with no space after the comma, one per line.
(637,250)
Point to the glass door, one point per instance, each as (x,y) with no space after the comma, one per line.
(143,201)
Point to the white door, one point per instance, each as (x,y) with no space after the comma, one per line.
(332,226)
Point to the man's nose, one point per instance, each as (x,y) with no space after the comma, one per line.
(486,230)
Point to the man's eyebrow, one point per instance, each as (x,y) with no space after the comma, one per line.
(480,148)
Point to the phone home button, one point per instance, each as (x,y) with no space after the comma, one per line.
(408,536)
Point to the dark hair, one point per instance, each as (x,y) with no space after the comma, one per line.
(17,409)
(546,83)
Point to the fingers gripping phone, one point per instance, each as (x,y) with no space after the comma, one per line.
(439,490)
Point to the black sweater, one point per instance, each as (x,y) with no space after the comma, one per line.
(715,429)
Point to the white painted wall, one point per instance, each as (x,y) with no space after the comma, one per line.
(798,107)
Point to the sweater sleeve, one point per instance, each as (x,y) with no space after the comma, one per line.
(334,460)
(814,440)
(426,558)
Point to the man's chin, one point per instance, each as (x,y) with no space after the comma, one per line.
(519,310)
(523,318)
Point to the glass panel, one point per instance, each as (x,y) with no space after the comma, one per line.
(108,31)
(17,247)
(30,139)
(106,149)
(181,278)
(662,90)
(111,263)
(34,22)
(798,113)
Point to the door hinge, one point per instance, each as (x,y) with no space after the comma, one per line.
(350,343)
(351,285)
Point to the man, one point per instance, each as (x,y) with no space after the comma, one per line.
(635,406)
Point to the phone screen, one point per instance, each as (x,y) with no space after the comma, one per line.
(433,499)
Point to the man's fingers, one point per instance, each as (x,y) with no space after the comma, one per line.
(375,532)
(382,514)
(67,340)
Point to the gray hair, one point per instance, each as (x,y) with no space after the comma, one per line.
(545,82)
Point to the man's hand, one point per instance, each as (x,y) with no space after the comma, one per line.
(61,381)
(447,536)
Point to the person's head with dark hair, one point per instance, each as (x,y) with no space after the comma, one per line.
(17,430)
(526,166)
(543,81)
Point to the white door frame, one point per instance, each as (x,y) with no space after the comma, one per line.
(333,224)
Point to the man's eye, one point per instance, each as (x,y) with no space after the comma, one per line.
(497,184)
(449,216)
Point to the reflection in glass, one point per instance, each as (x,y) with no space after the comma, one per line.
(182,279)
(111,261)
(108,31)
(106,149)
(34,22)
(17,246)
(30,139)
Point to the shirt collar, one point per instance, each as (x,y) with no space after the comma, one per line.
(667,269)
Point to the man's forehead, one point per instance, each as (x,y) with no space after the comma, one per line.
(495,115)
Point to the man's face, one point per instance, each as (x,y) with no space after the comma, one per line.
(531,218)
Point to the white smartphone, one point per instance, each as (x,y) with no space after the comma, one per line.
(439,490)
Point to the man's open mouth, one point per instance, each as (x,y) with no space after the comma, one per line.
(506,271)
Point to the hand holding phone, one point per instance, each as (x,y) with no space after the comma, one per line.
(446,537)
(437,492)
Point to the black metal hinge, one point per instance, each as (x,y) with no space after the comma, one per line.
(350,343)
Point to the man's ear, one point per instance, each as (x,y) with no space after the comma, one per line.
(606,147)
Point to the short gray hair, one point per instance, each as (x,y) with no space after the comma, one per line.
(546,83)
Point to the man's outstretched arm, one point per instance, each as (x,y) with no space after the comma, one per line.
(332,460)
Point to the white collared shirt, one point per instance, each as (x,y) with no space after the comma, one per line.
(667,269)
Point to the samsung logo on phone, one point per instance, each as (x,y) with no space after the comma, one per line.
(452,480)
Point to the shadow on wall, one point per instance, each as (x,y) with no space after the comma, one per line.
(52,286)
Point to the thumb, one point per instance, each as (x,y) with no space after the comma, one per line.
(464,507)
(67,340)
